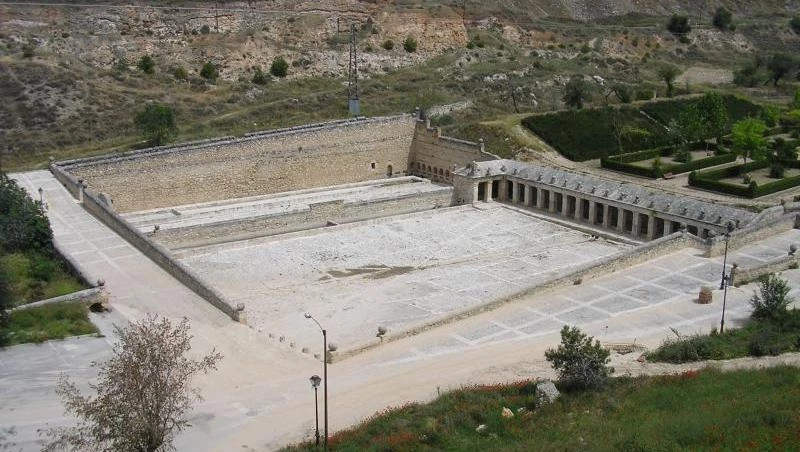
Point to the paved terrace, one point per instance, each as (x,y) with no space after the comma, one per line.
(400,272)
(261,383)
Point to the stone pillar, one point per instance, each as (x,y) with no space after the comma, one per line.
(552,201)
(635,225)
(515,193)
(565,206)
(592,211)
(529,201)
(475,191)
(488,191)
(578,208)
(651,227)
(620,219)
(540,198)
(667,227)
(502,191)
(606,215)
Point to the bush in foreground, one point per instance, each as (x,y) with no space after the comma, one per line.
(580,362)
(773,298)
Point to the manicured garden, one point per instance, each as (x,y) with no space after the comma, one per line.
(595,133)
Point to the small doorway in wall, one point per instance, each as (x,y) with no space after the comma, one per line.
(481,191)
(389,171)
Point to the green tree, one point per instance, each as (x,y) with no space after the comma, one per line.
(713,115)
(795,103)
(209,71)
(723,19)
(576,92)
(580,362)
(679,24)
(780,65)
(146,64)
(668,73)
(750,75)
(157,123)
(410,44)
(23,223)
(279,68)
(143,394)
(748,139)
(773,298)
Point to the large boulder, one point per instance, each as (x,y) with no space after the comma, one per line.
(546,393)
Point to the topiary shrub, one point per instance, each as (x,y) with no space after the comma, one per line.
(580,362)
(279,67)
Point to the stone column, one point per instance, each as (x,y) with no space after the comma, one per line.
(592,211)
(578,208)
(606,215)
(667,227)
(540,198)
(529,201)
(488,191)
(515,193)
(635,225)
(552,201)
(565,206)
(651,227)
(502,193)
(475,191)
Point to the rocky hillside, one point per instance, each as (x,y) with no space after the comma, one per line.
(67,73)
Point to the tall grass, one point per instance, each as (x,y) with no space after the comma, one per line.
(705,410)
(53,321)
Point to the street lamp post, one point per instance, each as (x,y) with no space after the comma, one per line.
(315,384)
(725,277)
(324,372)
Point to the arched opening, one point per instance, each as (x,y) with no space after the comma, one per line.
(389,170)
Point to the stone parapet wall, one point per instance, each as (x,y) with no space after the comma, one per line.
(318,215)
(432,152)
(279,161)
(159,255)
(757,230)
(746,275)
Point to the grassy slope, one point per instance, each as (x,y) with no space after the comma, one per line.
(54,321)
(707,410)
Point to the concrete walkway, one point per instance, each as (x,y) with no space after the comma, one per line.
(260,398)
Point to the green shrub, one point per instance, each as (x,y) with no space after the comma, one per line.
(723,19)
(146,64)
(180,73)
(279,67)
(23,223)
(580,362)
(679,24)
(388,44)
(157,123)
(410,44)
(772,300)
(205,30)
(259,78)
(209,71)
(795,24)
(28,50)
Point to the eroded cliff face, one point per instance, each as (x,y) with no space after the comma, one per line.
(311,35)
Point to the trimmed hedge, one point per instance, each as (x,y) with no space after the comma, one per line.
(588,134)
(737,108)
(623,163)
(710,180)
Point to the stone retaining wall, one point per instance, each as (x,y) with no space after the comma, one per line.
(278,161)
(316,216)
(160,256)
(88,296)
